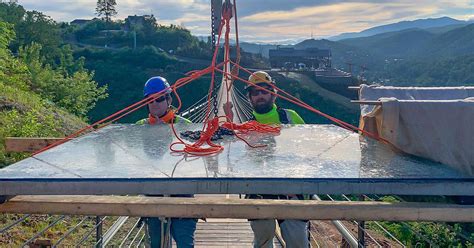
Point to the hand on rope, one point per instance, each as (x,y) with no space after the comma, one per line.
(210,126)
(228,106)
(300,103)
(190,76)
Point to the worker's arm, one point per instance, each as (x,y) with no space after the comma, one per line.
(228,111)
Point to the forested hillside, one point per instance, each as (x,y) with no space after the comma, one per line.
(44,91)
(57,77)
(440,56)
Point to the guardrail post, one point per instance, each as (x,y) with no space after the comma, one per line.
(361,229)
(98,231)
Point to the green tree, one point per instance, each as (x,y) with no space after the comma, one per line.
(24,113)
(7,34)
(106,8)
(69,85)
(39,28)
(32,26)
(12,72)
(11,12)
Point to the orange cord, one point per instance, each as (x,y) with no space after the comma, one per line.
(300,103)
(211,126)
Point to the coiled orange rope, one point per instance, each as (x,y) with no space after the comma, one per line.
(210,126)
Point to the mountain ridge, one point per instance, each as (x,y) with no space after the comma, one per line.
(418,23)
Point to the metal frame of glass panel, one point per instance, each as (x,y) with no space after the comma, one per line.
(302,159)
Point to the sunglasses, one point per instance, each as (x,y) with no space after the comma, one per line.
(256,92)
(159,99)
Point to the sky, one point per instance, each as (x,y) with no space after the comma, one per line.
(269,20)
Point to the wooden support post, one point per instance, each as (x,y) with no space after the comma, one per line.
(20,144)
(237,208)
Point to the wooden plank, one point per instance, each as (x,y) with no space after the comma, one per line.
(233,233)
(21,144)
(237,208)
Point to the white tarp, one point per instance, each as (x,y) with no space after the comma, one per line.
(374,92)
(437,129)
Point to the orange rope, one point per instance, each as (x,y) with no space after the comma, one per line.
(251,126)
(133,107)
(196,149)
(211,126)
(300,103)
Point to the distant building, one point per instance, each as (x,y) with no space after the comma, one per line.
(290,58)
(137,22)
(80,22)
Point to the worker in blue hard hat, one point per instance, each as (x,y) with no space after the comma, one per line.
(161,111)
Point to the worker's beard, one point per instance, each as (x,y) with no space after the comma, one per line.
(263,107)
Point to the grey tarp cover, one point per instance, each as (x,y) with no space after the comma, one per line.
(435,123)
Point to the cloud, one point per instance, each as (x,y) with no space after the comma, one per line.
(62,10)
(267,20)
(333,18)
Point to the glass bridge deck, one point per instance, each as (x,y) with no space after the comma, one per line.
(310,159)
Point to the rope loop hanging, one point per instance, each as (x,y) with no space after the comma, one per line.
(204,146)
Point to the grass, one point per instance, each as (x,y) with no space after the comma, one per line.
(25,114)
(31,226)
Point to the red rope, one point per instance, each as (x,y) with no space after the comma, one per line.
(211,126)
(300,103)
(251,126)
(133,107)
(196,149)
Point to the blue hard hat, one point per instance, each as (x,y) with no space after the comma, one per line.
(155,85)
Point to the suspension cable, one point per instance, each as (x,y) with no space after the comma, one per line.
(124,240)
(69,232)
(8,227)
(136,235)
(193,106)
(361,227)
(209,125)
(43,231)
(88,234)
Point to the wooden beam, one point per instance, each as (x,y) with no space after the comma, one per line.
(21,144)
(237,208)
